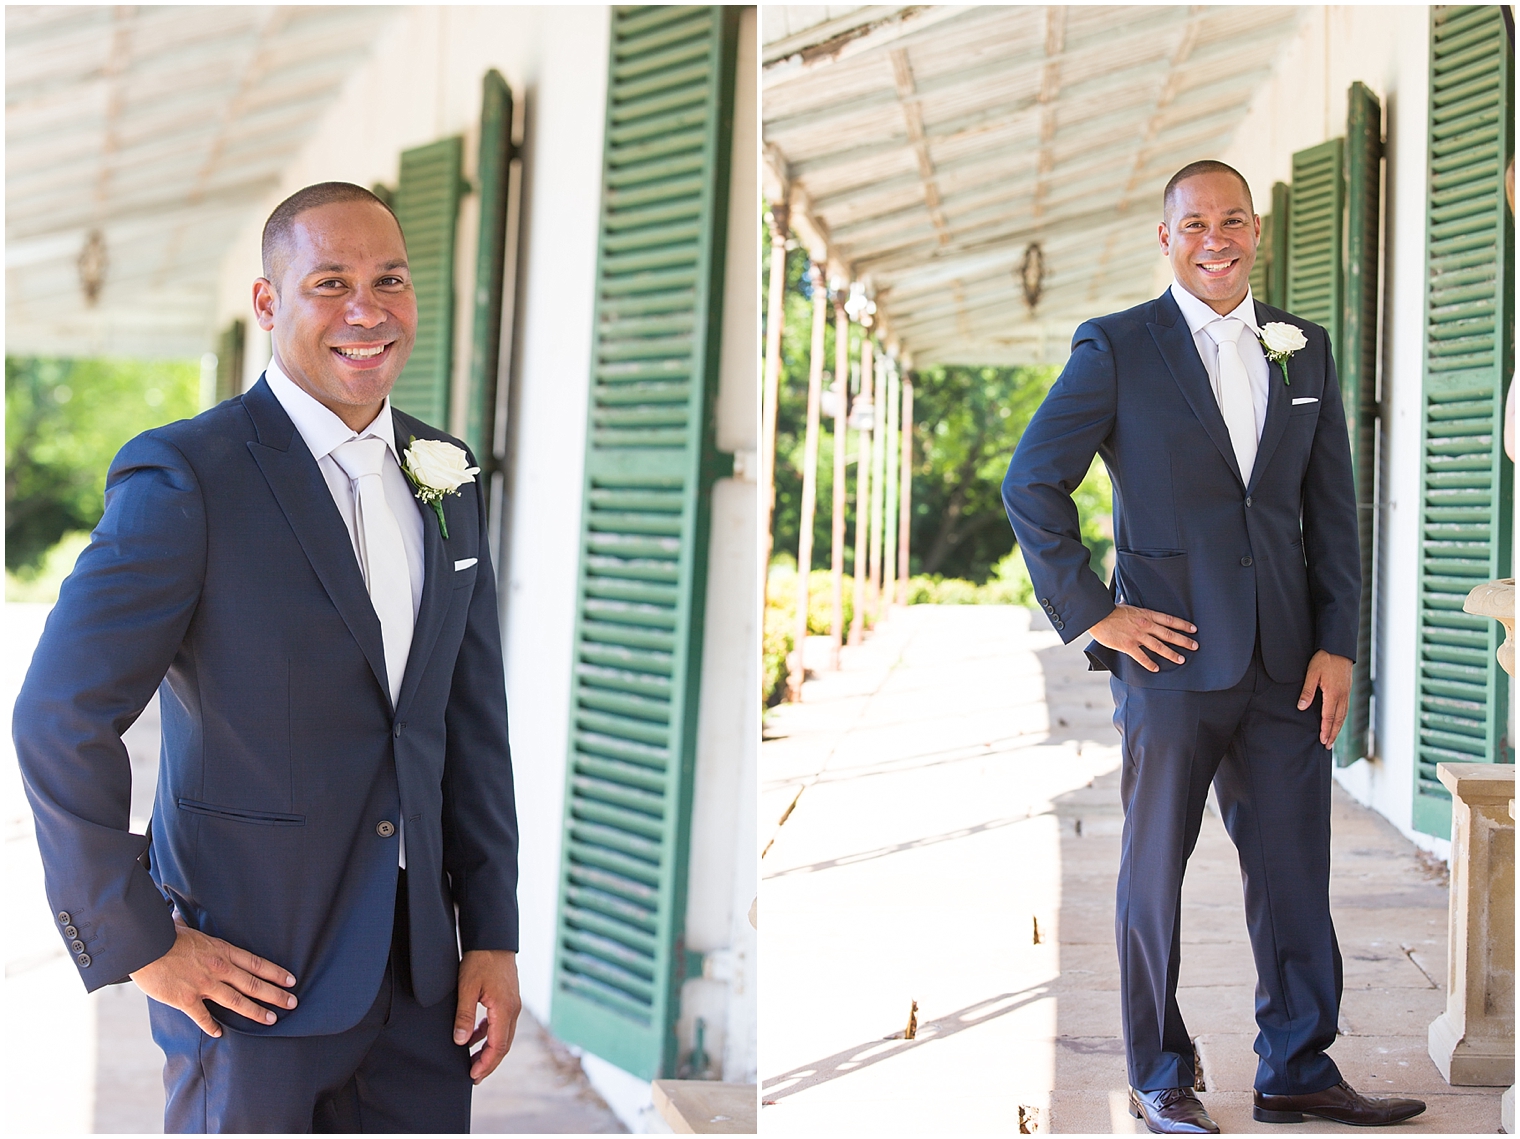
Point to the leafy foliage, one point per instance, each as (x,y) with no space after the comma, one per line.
(64,421)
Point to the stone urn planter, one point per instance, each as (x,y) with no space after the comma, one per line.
(1496,599)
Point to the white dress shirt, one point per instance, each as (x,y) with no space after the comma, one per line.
(323,432)
(1199,316)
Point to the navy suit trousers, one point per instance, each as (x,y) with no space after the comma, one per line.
(1272,780)
(397,1071)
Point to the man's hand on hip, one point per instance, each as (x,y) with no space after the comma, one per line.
(1332,676)
(200,968)
(1133,630)
(487,977)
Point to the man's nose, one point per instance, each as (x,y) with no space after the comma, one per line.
(364,310)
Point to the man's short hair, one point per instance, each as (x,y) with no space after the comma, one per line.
(1193,169)
(281,223)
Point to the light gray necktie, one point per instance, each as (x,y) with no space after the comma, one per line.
(1235,400)
(382,556)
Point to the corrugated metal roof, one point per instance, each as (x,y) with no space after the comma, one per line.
(162,127)
(932,145)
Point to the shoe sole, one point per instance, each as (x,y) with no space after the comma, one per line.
(1265,1115)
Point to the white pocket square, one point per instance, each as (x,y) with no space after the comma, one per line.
(1305,399)
(464,563)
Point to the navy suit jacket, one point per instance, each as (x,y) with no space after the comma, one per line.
(223,569)
(1192,538)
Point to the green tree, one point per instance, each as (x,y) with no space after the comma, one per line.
(64,421)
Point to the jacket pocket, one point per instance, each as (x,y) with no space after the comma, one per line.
(239,815)
(1155,579)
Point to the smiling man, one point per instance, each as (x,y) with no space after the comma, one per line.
(302,574)
(1229,629)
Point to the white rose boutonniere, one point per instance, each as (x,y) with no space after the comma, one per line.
(1279,341)
(436,468)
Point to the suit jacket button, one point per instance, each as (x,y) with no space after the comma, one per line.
(84,960)
(385,828)
(1245,561)
(1060,624)
(70,931)
(1248,500)
(78,947)
(63,917)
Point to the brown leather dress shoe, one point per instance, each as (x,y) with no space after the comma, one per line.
(1172,1111)
(1339,1104)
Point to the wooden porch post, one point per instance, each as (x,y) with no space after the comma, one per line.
(809,482)
(905,498)
(771,393)
(863,490)
(841,444)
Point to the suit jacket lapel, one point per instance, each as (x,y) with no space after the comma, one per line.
(437,573)
(1278,404)
(1175,340)
(302,493)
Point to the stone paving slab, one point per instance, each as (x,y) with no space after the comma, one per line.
(965,789)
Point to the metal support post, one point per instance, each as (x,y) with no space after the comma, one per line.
(809,483)
(841,444)
(771,392)
(865,426)
(890,486)
(905,498)
(878,498)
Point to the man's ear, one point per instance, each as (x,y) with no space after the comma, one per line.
(265,302)
(1165,238)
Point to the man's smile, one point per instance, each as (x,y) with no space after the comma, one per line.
(363,355)
(1216,268)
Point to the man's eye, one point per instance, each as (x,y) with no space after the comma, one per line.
(392,281)
(330,284)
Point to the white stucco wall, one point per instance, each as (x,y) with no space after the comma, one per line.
(1305,103)
(424,83)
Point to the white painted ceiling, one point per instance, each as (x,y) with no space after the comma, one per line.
(163,128)
(931,145)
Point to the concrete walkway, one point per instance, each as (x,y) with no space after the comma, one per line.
(951,837)
(78,1063)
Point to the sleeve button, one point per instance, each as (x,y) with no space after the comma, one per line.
(63,917)
(385,828)
(78,947)
(84,960)
(70,931)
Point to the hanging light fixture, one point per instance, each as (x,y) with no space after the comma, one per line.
(1031,274)
(92,267)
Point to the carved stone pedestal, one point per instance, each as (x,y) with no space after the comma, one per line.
(1473,1041)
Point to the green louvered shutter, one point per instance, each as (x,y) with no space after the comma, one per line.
(1277,267)
(1260,268)
(1469,337)
(1358,377)
(493,172)
(1315,226)
(650,463)
(427,205)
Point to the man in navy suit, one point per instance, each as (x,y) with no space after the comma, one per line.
(1229,628)
(334,818)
